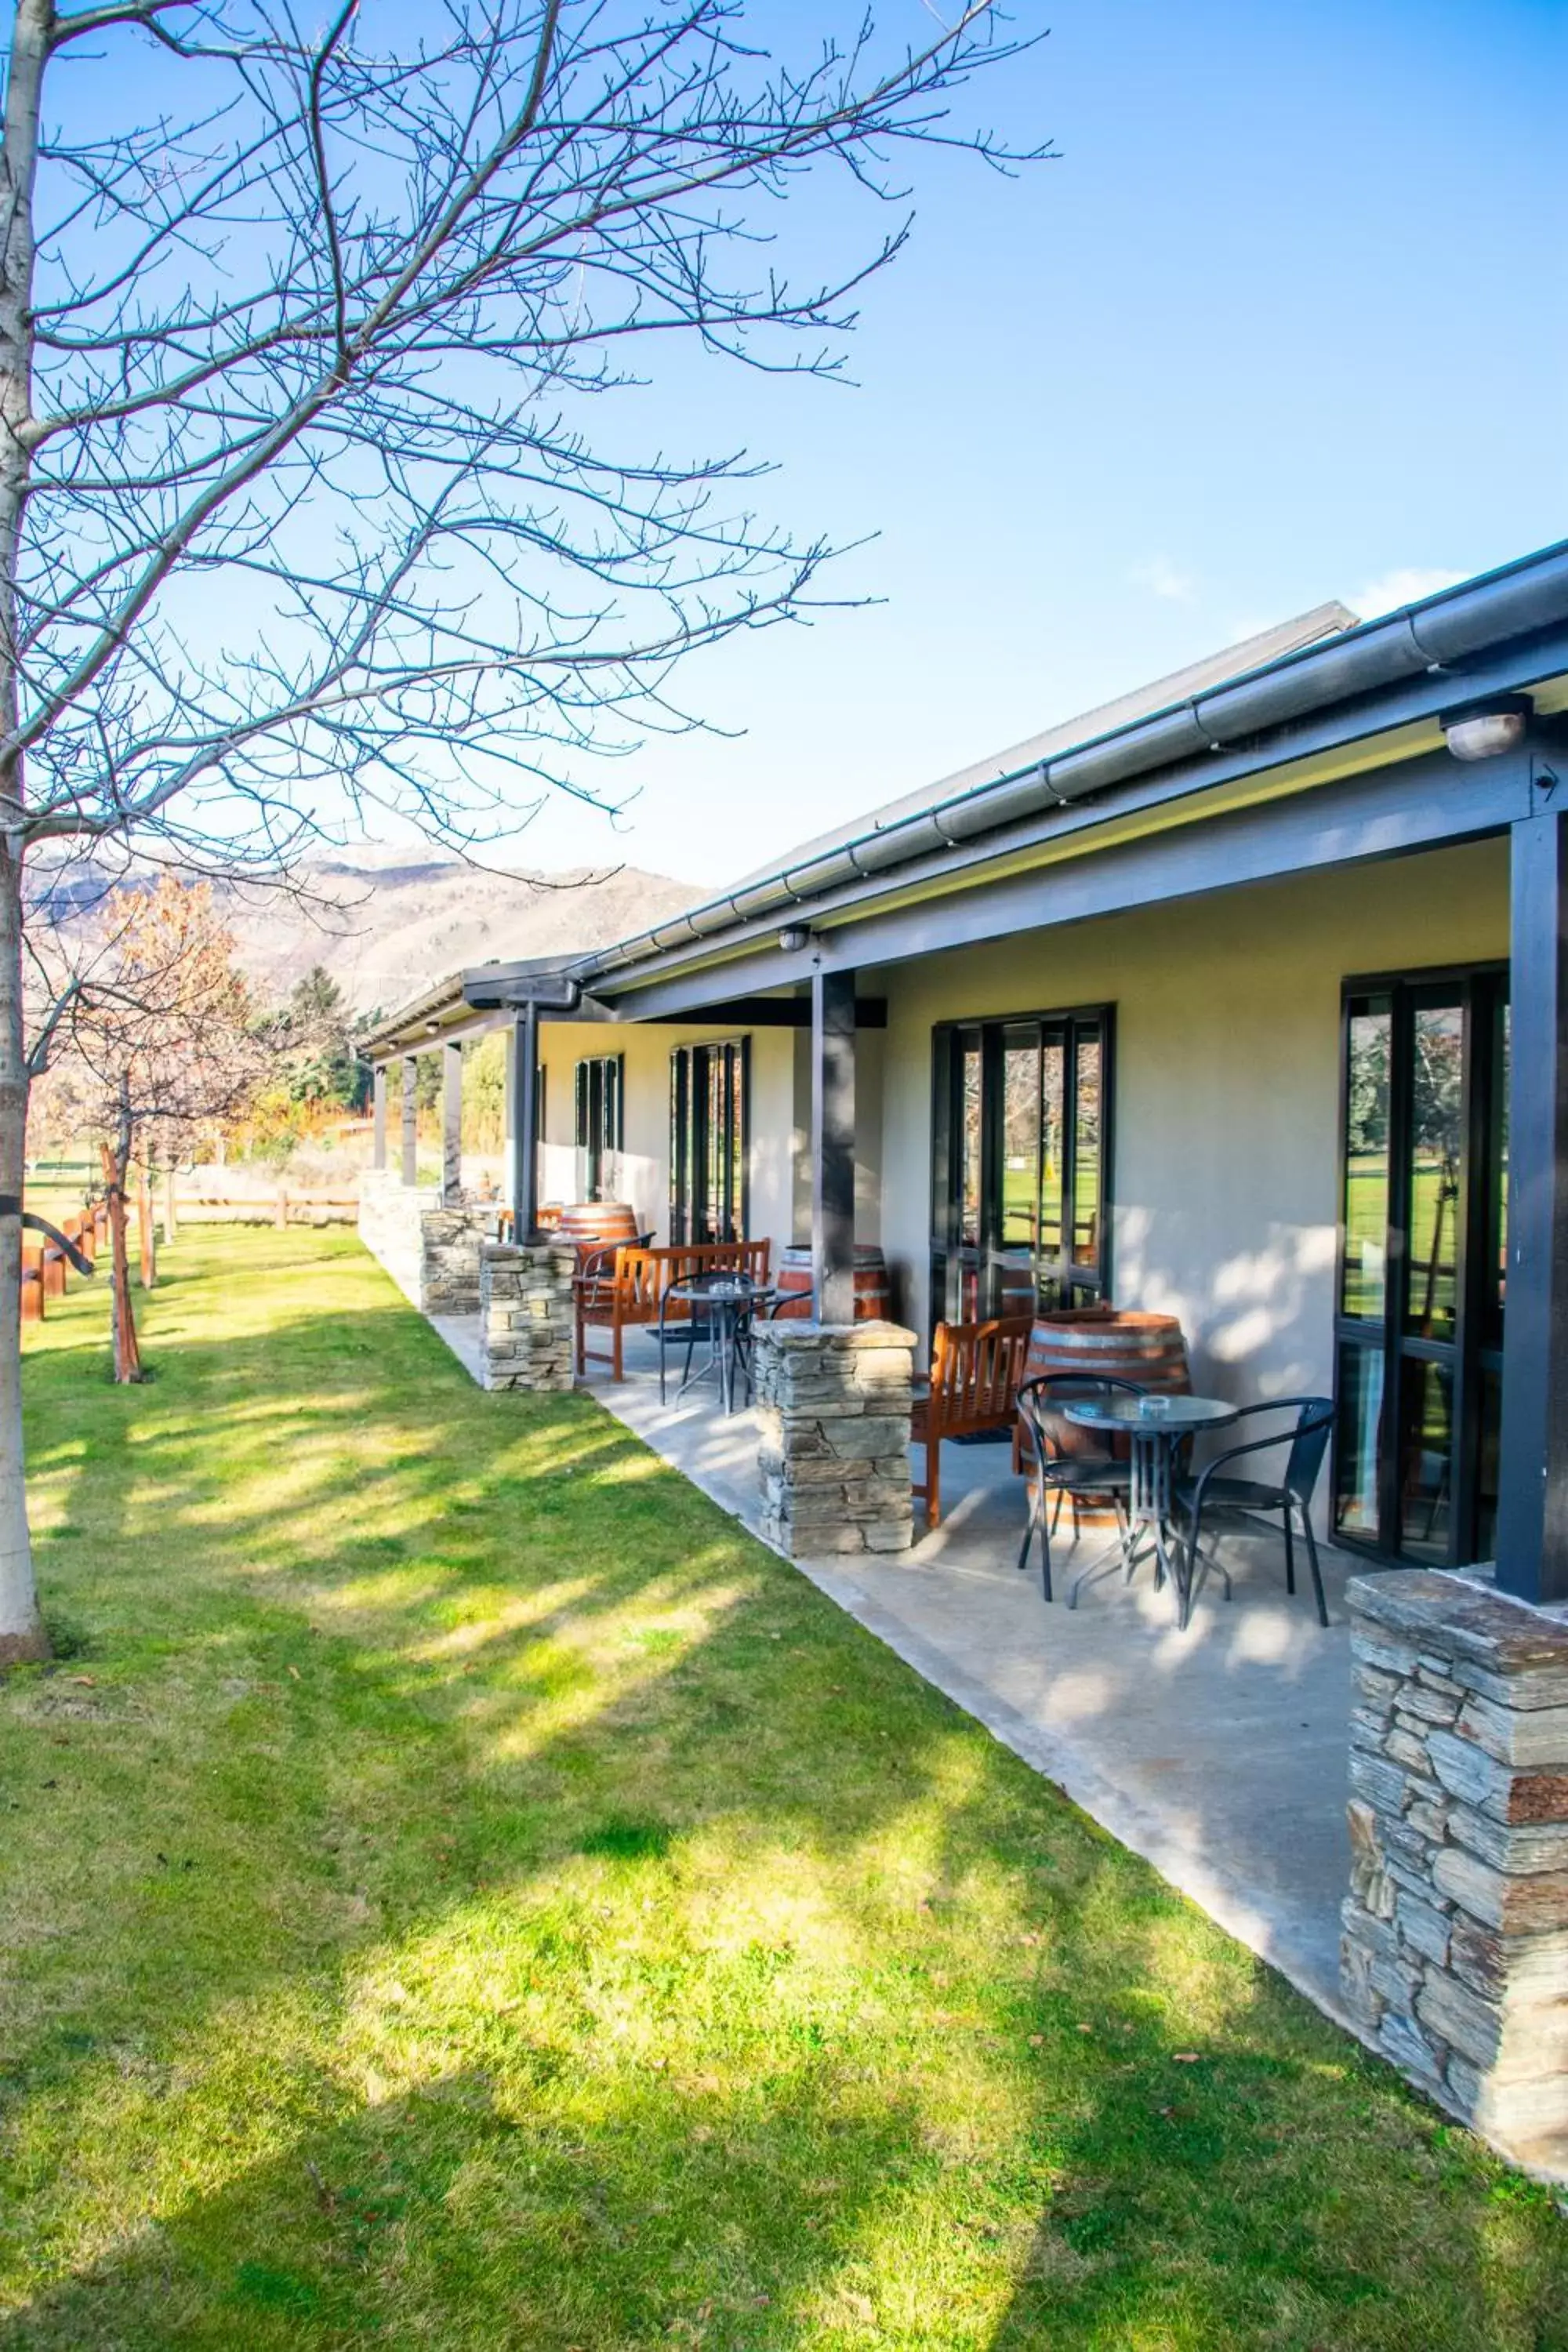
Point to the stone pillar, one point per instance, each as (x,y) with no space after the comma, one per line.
(378,1117)
(526,1315)
(450,1241)
(1454,1956)
(833,1403)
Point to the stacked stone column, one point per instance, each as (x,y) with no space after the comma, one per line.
(449,1243)
(834,1405)
(526,1315)
(1455,1953)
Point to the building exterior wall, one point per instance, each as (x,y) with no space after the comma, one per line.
(644,1177)
(1225,1134)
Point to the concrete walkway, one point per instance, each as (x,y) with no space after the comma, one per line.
(1219,1755)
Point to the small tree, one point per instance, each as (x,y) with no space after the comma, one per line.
(159,1043)
(307,511)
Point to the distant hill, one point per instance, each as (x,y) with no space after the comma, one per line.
(389,923)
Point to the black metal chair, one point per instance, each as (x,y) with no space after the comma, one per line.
(1055,1476)
(1215,1494)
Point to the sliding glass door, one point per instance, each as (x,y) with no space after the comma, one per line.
(710,1122)
(1021,1156)
(1422,1264)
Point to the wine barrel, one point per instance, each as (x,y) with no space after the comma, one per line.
(873,1293)
(1107,1343)
(592,1223)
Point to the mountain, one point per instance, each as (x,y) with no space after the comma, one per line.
(389,923)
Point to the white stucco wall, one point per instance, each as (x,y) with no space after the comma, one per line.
(1226,1089)
(644,1176)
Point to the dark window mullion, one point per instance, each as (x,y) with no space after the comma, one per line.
(1397,1273)
(1469,1252)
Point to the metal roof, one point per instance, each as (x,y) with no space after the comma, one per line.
(1250,694)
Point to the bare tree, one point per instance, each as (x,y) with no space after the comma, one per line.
(307,512)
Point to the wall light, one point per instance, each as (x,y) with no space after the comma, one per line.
(794,937)
(1480,731)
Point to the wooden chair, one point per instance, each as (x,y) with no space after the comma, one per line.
(975,1369)
(628,1291)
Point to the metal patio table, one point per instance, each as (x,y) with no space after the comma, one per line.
(1156,1428)
(729,1301)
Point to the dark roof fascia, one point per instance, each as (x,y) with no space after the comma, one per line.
(969,867)
(487,988)
(1507,628)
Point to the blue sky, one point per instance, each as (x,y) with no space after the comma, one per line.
(1286,322)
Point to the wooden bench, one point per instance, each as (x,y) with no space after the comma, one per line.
(974,1374)
(618,1297)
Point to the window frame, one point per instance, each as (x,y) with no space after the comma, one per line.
(1474,1353)
(597,1137)
(691,1068)
(951,1041)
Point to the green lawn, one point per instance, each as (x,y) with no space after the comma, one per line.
(459,1891)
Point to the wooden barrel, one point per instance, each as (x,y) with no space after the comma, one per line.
(597,1221)
(873,1293)
(32,1283)
(1107,1343)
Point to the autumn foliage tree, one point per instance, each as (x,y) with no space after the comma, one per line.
(157,1045)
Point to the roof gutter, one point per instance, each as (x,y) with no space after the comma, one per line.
(1434,637)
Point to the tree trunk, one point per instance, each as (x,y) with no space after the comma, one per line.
(144,1226)
(22,1634)
(116,1162)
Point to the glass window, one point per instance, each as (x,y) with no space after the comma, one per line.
(1020,1141)
(599,1097)
(1087,1158)
(1426,1460)
(710,1111)
(1436,1155)
(1019,1162)
(1053,1144)
(1424,1184)
(1359,1444)
(1365,1280)
(970,1137)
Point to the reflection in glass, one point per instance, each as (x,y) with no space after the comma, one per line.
(1437,1145)
(1487,1465)
(1426,1458)
(1366,1161)
(969,1152)
(1086,1152)
(1358,1440)
(1053,1145)
(1020,1142)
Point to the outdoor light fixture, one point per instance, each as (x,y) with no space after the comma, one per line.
(1480,731)
(794,937)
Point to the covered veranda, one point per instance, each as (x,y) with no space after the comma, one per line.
(1224,1754)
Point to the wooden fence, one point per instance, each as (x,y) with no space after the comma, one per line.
(45,1265)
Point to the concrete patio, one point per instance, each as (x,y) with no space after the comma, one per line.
(1220,1754)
